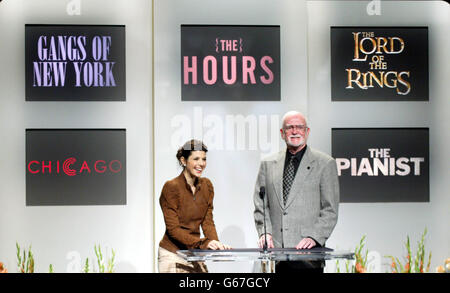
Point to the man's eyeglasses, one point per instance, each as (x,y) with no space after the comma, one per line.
(301,128)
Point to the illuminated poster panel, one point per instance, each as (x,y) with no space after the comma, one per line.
(75,167)
(75,63)
(230,63)
(379,64)
(382,164)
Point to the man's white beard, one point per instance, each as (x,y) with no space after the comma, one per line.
(302,141)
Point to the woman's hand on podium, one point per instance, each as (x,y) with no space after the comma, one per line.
(216,245)
(262,240)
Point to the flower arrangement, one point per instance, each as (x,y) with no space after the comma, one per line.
(360,263)
(102,268)
(412,266)
(25,260)
(361,260)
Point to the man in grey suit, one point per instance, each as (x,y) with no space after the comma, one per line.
(302,195)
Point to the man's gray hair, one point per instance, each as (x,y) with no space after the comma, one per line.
(291,113)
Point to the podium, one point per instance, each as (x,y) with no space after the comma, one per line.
(267,258)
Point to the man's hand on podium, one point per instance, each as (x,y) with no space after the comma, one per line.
(262,240)
(306,243)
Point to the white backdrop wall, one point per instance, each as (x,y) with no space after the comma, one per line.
(65,235)
(386,225)
(233,165)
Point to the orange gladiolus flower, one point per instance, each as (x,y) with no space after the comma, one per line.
(360,268)
(407,267)
(2,269)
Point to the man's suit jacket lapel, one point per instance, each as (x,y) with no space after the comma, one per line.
(277,176)
(305,168)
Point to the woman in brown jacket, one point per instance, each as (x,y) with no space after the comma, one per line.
(187,203)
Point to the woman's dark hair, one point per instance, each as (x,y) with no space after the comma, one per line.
(189,147)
